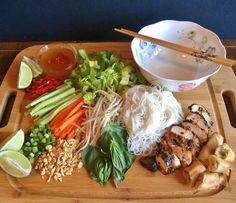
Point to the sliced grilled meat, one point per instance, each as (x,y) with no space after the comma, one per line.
(196,130)
(197,108)
(198,120)
(175,161)
(179,148)
(161,146)
(192,141)
(181,144)
(178,130)
(149,163)
(166,159)
(164,163)
(167,162)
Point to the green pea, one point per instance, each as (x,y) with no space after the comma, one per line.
(31,134)
(36,139)
(38,153)
(43,140)
(27,144)
(40,135)
(35,144)
(31,155)
(46,135)
(35,150)
(35,130)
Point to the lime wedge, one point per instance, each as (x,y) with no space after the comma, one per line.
(35,67)
(25,76)
(13,142)
(15,164)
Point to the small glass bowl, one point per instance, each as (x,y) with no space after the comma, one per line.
(57,60)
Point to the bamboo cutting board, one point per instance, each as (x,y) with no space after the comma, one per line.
(139,184)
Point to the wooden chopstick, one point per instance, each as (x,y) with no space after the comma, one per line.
(181,48)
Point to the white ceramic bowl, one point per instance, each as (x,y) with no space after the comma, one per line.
(174,70)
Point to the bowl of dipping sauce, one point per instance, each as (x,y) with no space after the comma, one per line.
(174,70)
(57,60)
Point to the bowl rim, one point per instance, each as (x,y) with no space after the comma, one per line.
(179,21)
(55,45)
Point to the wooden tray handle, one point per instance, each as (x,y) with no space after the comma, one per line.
(226,87)
(10,109)
(11,99)
(229,109)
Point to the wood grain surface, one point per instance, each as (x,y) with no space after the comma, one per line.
(140,185)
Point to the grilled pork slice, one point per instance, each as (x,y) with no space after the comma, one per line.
(196,130)
(149,163)
(175,161)
(192,142)
(178,130)
(166,159)
(167,162)
(179,148)
(198,120)
(197,108)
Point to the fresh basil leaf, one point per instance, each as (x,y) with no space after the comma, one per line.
(104,142)
(110,155)
(117,176)
(98,166)
(101,172)
(112,131)
(89,155)
(117,157)
(129,158)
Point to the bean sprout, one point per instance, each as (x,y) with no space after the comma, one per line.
(106,110)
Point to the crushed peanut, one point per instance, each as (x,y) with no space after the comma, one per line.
(59,160)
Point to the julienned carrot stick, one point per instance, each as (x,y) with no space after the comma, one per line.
(57,125)
(71,134)
(70,130)
(65,123)
(63,133)
(77,108)
(62,114)
(72,118)
(59,117)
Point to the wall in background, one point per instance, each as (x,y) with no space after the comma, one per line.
(91,20)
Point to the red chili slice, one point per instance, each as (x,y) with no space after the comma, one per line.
(40,86)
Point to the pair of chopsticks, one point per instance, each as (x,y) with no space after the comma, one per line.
(180,48)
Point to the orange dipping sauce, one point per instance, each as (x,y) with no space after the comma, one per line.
(57,60)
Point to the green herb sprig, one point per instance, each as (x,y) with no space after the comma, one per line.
(109,157)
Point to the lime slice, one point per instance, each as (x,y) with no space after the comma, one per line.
(15,164)
(13,142)
(35,67)
(25,76)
